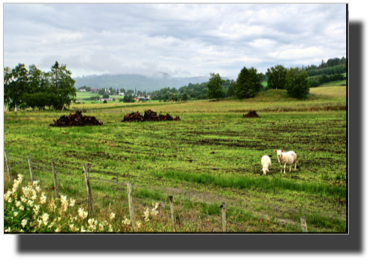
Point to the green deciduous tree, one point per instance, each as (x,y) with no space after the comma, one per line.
(297,83)
(214,85)
(248,83)
(185,97)
(276,77)
(62,85)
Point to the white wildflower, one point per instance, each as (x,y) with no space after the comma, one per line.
(23,199)
(21,208)
(7,195)
(126,221)
(64,203)
(82,229)
(58,229)
(30,203)
(138,223)
(8,230)
(112,216)
(15,214)
(36,209)
(43,198)
(45,218)
(24,222)
(72,202)
(110,229)
(101,228)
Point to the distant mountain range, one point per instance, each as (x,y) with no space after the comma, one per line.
(143,83)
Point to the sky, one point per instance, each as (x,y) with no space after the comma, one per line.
(182,40)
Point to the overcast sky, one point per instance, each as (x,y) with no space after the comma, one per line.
(180,39)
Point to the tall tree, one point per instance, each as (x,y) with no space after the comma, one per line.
(62,85)
(297,83)
(276,77)
(19,85)
(248,83)
(214,85)
(7,86)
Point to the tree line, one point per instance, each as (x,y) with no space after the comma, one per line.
(36,89)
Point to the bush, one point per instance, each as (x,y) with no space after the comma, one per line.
(297,83)
(313,82)
(104,101)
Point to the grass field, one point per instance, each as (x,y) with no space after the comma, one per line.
(212,155)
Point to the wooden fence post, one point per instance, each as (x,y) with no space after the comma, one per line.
(172,211)
(88,190)
(30,168)
(224,217)
(55,179)
(9,167)
(131,205)
(303,224)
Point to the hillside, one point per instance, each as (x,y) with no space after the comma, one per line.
(140,82)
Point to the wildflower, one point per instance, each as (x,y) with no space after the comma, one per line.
(52,206)
(92,224)
(64,203)
(112,216)
(126,221)
(19,176)
(138,223)
(23,199)
(36,209)
(30,203)
(110,228)
(34,194)
(24,222)
(72,227)
(10,200)
(58,229)
(82,229)
(7,195)
(39,223)
(8,230)
(82,213)
(21,230)
(15,214)
(146,214)
(43,198)
(58,219)
(101,228)
(51,225)
(72,202)
(154,212)
(45,218)
(21,208)
(18,203)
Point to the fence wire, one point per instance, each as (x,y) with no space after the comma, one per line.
(41,166)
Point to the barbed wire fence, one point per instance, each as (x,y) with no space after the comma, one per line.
(40,169)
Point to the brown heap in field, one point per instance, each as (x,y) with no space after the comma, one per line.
(76,119)
(149,115)
(251,114)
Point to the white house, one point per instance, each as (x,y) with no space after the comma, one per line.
(82,90)
(121,94)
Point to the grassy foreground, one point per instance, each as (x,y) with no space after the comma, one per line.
(212,155)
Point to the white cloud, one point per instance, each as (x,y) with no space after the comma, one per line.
(179,39)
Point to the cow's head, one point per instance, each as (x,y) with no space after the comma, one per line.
(279,153)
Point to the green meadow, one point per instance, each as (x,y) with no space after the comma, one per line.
(211,156)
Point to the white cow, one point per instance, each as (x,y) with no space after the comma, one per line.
(286,158)
(266,163)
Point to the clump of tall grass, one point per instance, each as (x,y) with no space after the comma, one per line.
(245,182)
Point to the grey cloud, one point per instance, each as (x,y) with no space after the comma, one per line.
(180,40)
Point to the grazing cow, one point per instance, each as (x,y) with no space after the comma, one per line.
(286,158)
(266,163)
